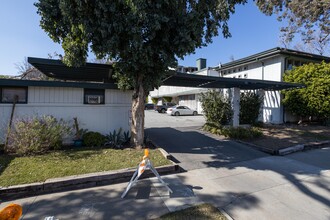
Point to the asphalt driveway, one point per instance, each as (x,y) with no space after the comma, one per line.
(245,183)
(192,148)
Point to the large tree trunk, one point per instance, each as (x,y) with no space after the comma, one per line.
(137,125)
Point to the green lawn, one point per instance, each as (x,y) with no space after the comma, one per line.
(22,170)
(203,211)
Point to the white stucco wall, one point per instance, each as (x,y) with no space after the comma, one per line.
(268,69)
(67,103)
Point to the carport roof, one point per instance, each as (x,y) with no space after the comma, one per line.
(103,73)
(198,81)
(94,72)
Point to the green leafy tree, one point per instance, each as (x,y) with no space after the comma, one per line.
(143,37)
(217,110)
(308,18)
(314,100)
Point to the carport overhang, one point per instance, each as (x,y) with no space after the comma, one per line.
(211,82)
(197,81)
(103,73)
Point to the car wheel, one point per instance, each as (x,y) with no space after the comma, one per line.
(163,110)
(177,113)
(195,113)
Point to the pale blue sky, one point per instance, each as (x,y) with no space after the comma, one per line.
(21,36)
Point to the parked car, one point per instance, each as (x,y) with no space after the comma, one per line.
(163,108)
(148,106)
(181,110)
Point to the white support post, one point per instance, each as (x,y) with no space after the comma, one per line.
(235,99)
(261,93)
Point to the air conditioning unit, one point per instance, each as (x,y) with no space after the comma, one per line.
(94,99)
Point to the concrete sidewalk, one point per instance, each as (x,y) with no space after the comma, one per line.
(274,187)
(270,187)
(148,199)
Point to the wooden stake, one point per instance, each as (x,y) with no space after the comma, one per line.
(11,119)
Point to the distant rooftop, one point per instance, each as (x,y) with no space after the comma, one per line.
(272,52)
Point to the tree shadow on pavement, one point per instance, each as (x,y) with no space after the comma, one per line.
(235,166)
(146,200)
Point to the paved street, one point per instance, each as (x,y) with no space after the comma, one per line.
(243,182)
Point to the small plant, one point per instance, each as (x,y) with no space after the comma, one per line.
(127,136)
(117,138)
(93,139)
(114,139)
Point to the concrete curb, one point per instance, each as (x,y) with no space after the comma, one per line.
(78,182)
(165,153)
(225,214)
(287,150)
(301,147)
(263,149)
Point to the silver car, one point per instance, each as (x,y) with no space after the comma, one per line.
(180,110)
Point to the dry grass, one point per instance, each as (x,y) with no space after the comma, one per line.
(203,211)
(277,137)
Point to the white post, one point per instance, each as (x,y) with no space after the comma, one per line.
(261,117)
(235,99)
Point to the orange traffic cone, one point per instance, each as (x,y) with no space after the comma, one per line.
(11,212)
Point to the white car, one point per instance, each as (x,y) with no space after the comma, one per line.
(180,110)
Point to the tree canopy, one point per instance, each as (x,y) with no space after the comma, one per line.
(309,18)
(143,37)
(314,100)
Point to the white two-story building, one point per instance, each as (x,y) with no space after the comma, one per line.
(267,65)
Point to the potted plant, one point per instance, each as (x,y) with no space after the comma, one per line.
(78,140)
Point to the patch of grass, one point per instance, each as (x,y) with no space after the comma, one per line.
(203,211)
(30,169)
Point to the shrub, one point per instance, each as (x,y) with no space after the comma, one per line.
(231,132)
(250,104)
(314,99)
(217,109)
(241,133)
(93,139)
(37,135)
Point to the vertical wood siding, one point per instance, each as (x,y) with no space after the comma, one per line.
(67,103)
